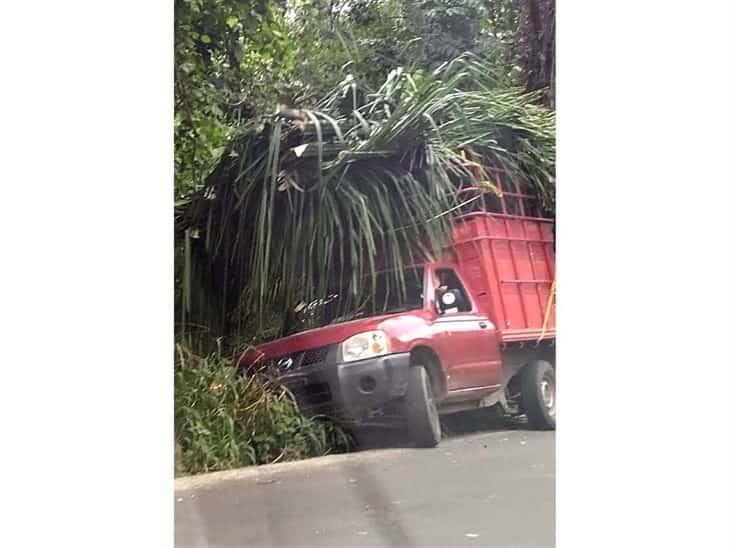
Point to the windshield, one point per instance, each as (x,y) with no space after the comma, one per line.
(391,294)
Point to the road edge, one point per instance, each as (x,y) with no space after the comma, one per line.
(265,471)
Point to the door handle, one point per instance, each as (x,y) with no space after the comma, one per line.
(483,325)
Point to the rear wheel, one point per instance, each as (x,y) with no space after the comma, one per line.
(422,415)
(538,394)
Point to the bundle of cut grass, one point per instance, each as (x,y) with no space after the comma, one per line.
(316,199)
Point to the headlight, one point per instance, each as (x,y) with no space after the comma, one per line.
(365,345)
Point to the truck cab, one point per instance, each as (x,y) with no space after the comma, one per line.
(474,329)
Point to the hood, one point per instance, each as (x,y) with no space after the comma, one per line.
(324,336)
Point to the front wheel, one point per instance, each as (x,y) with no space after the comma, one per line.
(538,394)
(422,415)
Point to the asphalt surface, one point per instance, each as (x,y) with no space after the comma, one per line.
(485,487)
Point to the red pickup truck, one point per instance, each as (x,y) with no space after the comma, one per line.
(476,329)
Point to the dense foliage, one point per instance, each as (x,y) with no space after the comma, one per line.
(311,205)
(235,60)
(224,420)
(229,56)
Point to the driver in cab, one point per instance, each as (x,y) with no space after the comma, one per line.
(448,294)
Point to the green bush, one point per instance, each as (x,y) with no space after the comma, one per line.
(224,420)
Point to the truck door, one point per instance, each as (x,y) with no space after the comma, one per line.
(464,337)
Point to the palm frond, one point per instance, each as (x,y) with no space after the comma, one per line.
(299,209)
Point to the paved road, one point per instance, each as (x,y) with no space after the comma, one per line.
(486,488)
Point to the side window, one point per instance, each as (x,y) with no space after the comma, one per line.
(448,281)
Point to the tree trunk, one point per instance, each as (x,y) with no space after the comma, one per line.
(539,48)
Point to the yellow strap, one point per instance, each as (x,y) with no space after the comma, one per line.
(547,311)
(482,174)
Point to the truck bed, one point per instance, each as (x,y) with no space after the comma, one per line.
(509,262)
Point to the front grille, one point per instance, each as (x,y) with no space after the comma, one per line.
(297,360)
(314,356)
(307,388)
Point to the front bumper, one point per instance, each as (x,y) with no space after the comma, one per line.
(349,390)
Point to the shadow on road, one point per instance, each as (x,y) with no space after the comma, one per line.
(453,426)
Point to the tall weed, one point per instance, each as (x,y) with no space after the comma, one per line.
(226,420)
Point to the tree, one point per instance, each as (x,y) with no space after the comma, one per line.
(228,56)
(450,29)
(538,40)
(363,38)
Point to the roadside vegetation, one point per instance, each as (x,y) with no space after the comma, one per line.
(226,420)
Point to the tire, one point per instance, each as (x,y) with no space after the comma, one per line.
(422,415)
(538,394)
